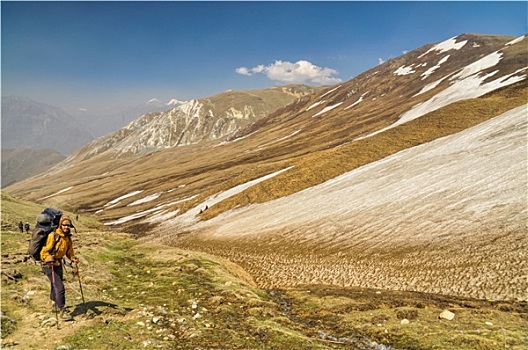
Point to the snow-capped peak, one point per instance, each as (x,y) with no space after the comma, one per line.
(174,102)
(153,100)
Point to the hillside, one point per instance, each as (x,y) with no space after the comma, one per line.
(418,162)
(145,295)
(31,124)
(192,122)
(20,164)
(449,217)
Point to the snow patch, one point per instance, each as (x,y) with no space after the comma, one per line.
(146,199)
(515,41)
(355,103)
(59,192)
(189,217)
(404,70)
(329,108)
(430,86)
(175,102)
(119,199)
(408,183)
(431,70)
(480,65)
(326,93)
(449,44)
(288,136)
(315,104)
(131,217)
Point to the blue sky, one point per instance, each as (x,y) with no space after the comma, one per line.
(94,54)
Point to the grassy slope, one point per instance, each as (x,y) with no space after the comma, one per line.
(150,296)
(318,167)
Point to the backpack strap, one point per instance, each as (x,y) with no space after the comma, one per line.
(56,240)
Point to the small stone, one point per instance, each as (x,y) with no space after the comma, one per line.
(404,321)
(489,324)
(447,315)
(63,347)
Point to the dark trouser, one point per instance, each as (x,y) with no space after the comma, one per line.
(57,294)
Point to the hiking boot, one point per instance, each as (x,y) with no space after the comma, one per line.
(65,315)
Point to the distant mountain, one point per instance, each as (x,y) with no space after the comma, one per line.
(31,129)
(195,121)
(30,124)
(175,102)
(101,122)
(243,128)
(20,164)
(410,176)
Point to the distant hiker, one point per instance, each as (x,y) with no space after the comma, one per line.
(21,227)
(77,217)
(52,255)
(26,226)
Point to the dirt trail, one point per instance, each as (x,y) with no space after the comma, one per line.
(28,288)
(36,326)
(44,337)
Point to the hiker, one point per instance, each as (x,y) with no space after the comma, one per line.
(52,255)
(26,226)
(21,227)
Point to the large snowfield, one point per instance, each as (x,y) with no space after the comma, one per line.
(457,204)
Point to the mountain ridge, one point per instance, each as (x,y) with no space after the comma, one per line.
(20,164)
(30,124)
(380,113)
(195,121)
(285,133)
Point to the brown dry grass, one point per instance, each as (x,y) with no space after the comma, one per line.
(484,266)
(320,166)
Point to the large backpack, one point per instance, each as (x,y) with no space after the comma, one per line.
(47,222)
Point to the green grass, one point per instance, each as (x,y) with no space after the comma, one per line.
(142,295)
(15,210)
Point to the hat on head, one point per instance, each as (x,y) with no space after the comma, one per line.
(66,221)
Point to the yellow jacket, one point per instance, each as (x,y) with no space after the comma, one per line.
(64,247)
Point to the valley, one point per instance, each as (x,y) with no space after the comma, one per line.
(443,217)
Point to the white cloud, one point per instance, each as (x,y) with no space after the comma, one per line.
(299,72)
(243,71)
(381,60)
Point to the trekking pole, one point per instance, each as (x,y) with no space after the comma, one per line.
(79,278)
(56,295)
